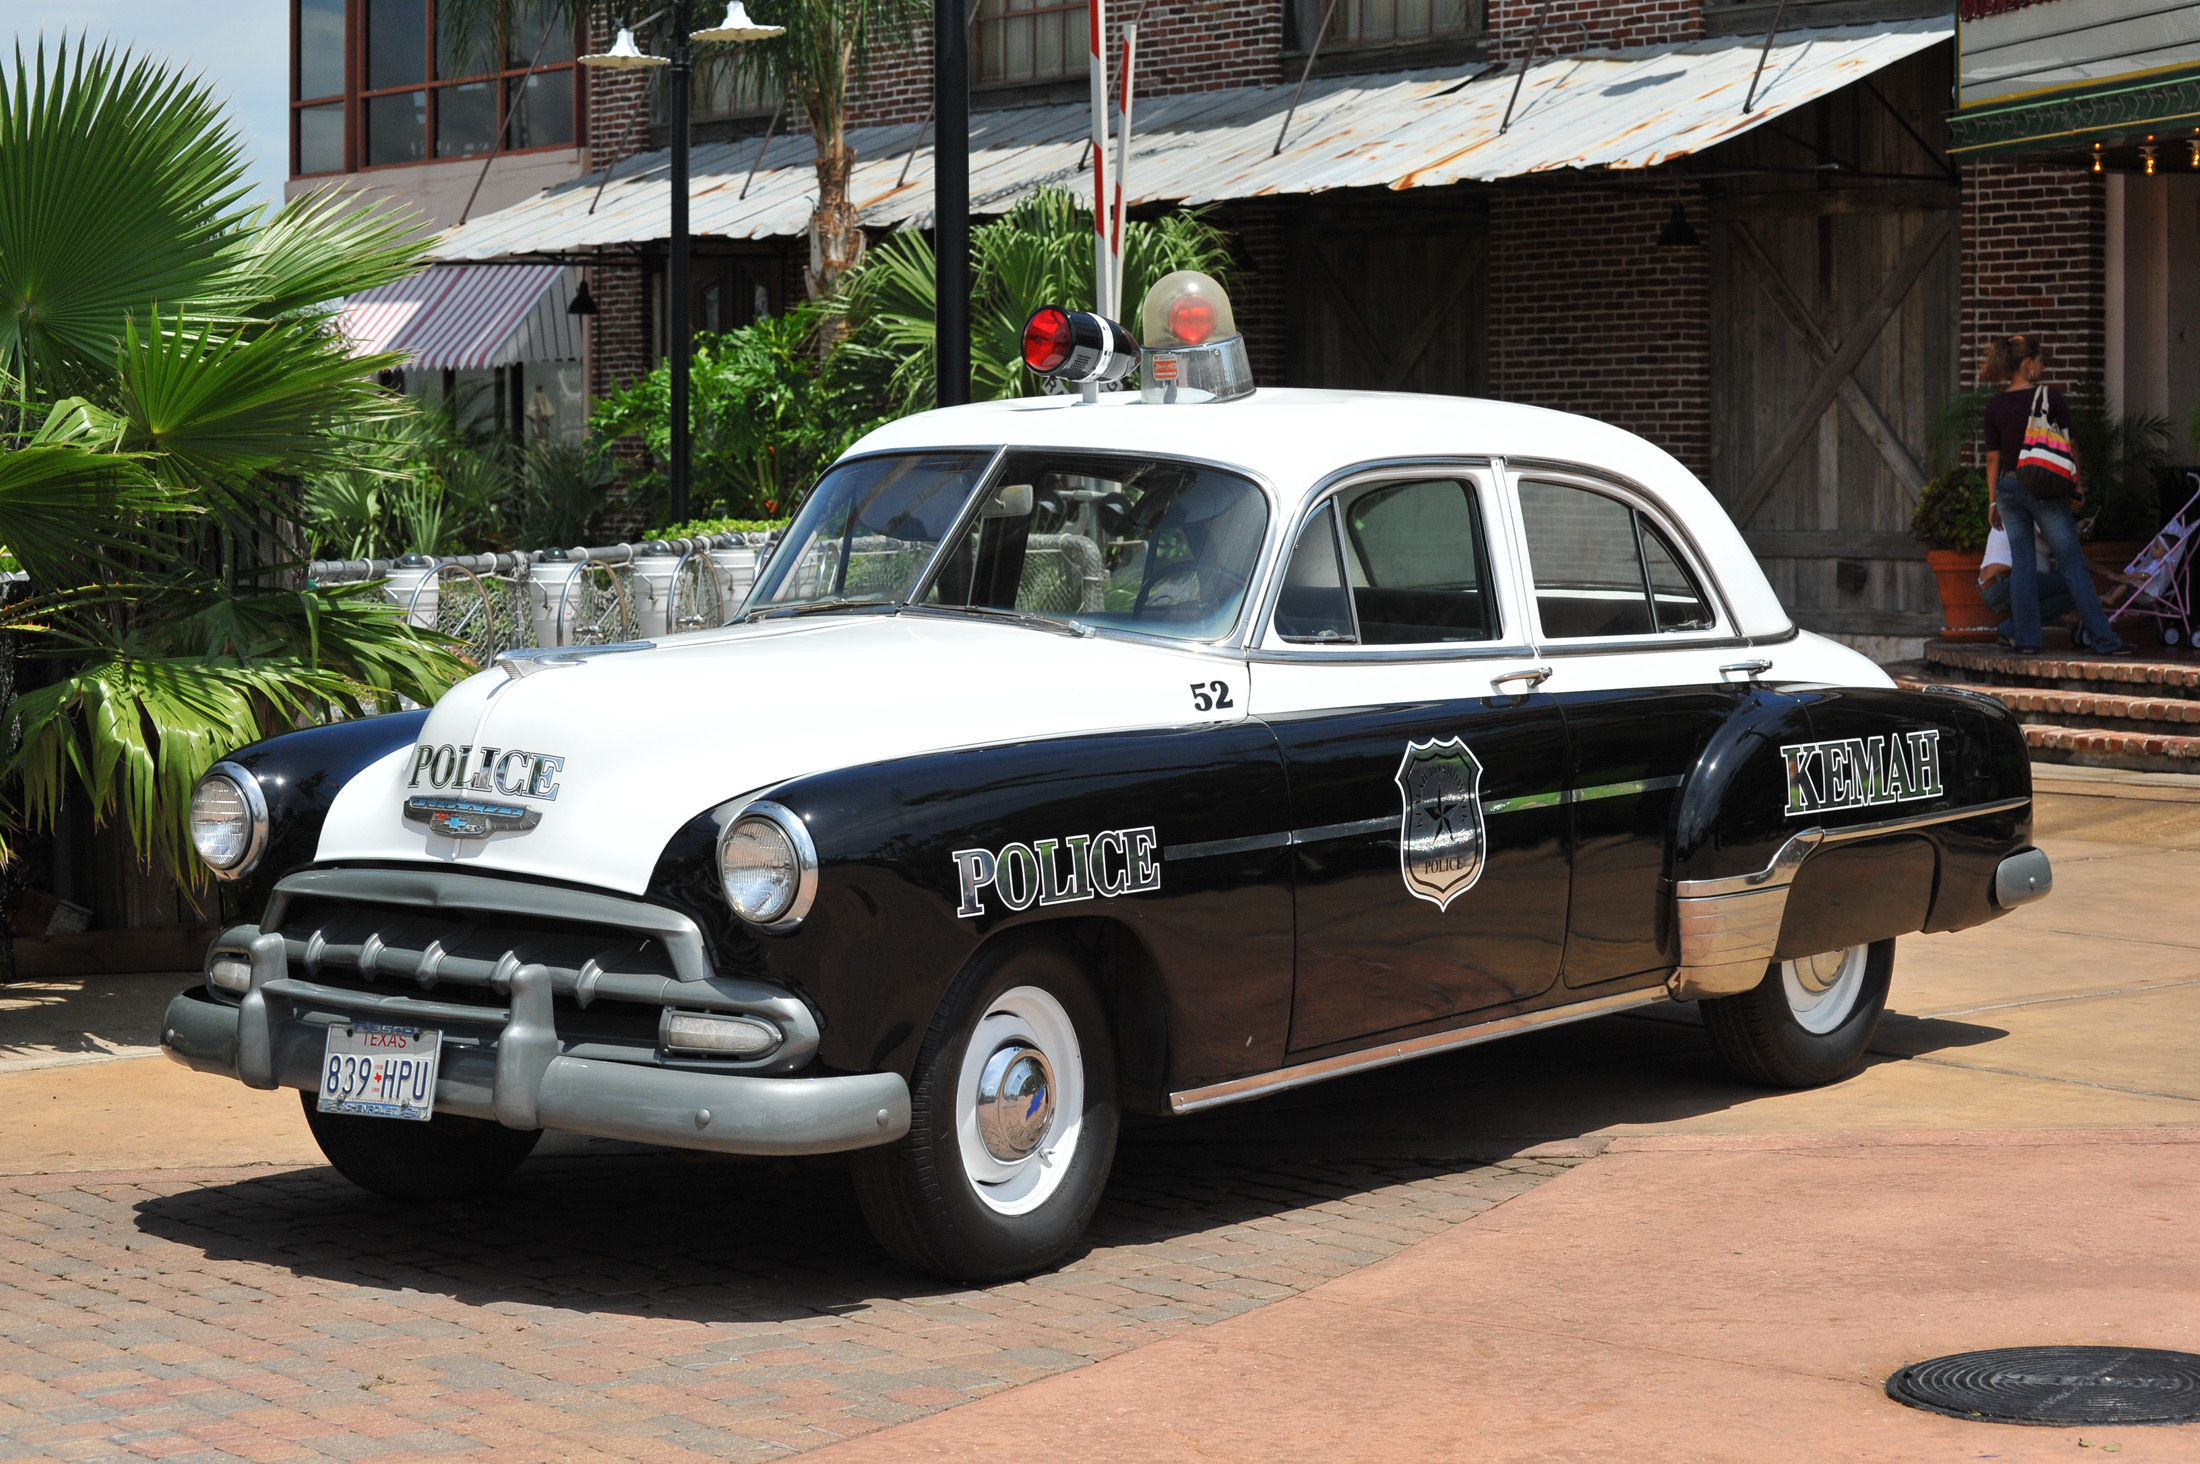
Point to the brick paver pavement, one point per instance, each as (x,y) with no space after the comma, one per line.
(638,1307)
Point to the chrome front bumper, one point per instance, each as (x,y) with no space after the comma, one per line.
(522,1082)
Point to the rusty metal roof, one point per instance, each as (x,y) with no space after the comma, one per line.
(1414,129)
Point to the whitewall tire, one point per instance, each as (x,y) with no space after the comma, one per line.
(1809,1022)
(1012,1123)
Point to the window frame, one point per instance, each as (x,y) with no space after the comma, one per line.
(1692,558)
(1498,523)
(356,95)
(1077,56)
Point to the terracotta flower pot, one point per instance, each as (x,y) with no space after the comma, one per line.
(1964,615)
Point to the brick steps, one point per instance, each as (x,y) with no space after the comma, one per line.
(2135,715)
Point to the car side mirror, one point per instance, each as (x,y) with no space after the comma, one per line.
(1010,500)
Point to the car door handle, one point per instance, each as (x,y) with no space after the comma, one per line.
(1753,668)
(1535,676)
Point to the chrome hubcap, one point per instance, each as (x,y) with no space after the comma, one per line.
(1015,1102)
(1819,972)
(1822,990)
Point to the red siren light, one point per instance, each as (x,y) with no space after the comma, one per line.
(1047,340)
(1192,319)
(1078,347)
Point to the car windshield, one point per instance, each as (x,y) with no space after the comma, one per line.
(1145,544)
(868,530)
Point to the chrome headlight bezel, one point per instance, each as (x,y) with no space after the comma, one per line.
(255,802)
(790,828)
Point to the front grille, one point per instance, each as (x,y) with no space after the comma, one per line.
(435,945)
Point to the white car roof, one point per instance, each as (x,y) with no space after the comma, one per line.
(1296,439)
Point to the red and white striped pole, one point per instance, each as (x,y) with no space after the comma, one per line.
(1097,10)
(1122,167)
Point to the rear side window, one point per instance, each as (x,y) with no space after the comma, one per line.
(1602,570)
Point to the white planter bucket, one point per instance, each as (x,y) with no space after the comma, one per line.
(547,603)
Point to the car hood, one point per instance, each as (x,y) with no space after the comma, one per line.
(615,752)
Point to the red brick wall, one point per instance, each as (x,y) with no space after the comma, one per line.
(2035,261)
(1616,24)
(1183,46)
(1589,315)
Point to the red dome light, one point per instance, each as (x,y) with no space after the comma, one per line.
(1047,340)
(1192,319)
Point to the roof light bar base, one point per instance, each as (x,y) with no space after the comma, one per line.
(1214,372)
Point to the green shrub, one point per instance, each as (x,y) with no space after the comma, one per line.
(698,528)
(1951,512)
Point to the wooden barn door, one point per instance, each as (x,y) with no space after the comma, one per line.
(1390,298)
(1835,318)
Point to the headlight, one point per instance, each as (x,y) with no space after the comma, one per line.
(229,820)
(768,866)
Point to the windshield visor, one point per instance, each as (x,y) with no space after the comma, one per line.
(1141,544)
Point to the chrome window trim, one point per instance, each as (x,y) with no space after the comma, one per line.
(989,479)
(789,823)
(1265,645)
(1634,495)
(255,802)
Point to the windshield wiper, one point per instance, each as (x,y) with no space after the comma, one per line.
(817,607)
(1025,618)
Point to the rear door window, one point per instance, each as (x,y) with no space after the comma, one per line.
(1602,570)
(1417,562)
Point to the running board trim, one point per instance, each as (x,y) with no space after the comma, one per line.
(1191,1100)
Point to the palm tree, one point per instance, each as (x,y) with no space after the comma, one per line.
(826,52)
(1038,253)
(169,368)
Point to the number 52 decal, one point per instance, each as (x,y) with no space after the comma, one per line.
(1208,695)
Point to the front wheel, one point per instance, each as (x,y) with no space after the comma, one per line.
(446,1158)
(1011,1128)
(1808,1022)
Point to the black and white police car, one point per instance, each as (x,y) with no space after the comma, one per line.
(1112,751)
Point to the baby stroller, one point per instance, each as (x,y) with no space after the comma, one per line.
(2157,584)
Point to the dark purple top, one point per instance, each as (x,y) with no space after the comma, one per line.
(2006,414)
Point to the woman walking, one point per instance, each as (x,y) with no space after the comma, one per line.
(2043,506)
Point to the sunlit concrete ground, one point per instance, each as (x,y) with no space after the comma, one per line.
(1715,1271)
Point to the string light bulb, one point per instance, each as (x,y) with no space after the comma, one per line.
(2195,146)
(2096,157)
(2148,154)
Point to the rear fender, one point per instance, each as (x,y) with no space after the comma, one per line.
(1821,818)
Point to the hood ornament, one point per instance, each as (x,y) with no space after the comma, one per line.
(525,661)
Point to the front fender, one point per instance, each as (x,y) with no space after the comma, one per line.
(300,774)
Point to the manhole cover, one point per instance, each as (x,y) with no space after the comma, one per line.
(2056,1385)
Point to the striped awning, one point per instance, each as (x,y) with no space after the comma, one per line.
(468,316)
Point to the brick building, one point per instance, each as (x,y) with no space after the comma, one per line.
(1782,297)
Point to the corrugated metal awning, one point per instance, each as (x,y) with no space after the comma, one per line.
(1416,129)
(461,317)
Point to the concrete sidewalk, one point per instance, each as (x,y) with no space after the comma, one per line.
(1685,1298)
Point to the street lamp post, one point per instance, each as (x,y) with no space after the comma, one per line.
(679,345)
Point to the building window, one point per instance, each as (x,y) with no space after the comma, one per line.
(722,91)
(1386,22)
(1032,40)
(390,81)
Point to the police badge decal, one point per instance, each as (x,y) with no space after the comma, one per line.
(1440,838)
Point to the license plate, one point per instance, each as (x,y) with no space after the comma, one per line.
(380,1072)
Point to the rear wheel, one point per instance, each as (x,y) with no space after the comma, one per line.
(1808,1022)
(446,1158)
(1012,1124)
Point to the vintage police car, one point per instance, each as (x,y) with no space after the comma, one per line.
(1144,753)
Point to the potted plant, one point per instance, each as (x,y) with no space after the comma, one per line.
(1950,521)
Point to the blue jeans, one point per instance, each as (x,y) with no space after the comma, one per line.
(2021,513)
(2055,601)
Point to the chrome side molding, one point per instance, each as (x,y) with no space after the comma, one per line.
(1730,927)
(1191,1100)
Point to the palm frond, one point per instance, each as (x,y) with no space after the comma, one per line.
(62,505)
(120,185)
(317,248)
(216,406)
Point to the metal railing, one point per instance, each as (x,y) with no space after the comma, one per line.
(566,597)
